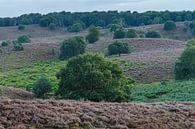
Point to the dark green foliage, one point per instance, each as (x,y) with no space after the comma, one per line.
(93,35)
(169,25)
(52,26)
(185,66)
(42,87)
(93,77)
(72,47)
(131,33)
(153,34)
(118,48)
(24,39)
(77,27)
(21,27)
(17,46)
(114,27)
(119,34)
(1,51)
(5,43)
(193,31)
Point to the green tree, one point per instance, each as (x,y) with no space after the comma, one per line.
(114,27)
(118,48)
(42,87)
(24,39)
(77,27)
(52,26)
(93,35)
(152,34)
(119,33)
(131,33)
(72,47)
(21,27)
(17,46)
(95,78)
(169,25)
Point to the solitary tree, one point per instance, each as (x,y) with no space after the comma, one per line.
(131,33)
(93,77)
(119,33)
(77,27)
(42,87)
(93,35)
(118,48)
(169,25)
(72,47)
(152,34)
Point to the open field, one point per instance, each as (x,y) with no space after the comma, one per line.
(38,114)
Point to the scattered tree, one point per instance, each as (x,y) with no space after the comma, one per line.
(24,39)
(131,33)
(153,34)
(21,27)
(72,47)
(93,35)
(169,25)
(93,77)
(42,87)
(77,27)
(118,48)
(119,33)
(17,46)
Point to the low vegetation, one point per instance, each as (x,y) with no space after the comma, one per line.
(24,39)
(152,34)
(169,25)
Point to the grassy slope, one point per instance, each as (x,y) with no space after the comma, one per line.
(164,91)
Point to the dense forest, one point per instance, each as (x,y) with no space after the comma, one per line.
(102,19)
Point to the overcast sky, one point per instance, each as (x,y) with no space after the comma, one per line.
(10,8)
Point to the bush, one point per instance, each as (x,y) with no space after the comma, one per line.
(5,43)
(21,27)
(119,33)
(72,47)
(93,35)
(169,25)
(153,34)
(193,31)
(42,87)
(52,26)
(131,33)
(17,46)
(93,77)
(185,66)
(114,27)
(77,27)
(24,39)
(1,51)
(118,48)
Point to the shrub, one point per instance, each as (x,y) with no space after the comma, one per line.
(5,43)
(42,87)
(24,39)
(93,35)
(93,77)
(118,48)
(119,33)
(131,33)
(169,25)
(153,34)
(21,27)
(191,43)
(185,66)
(77,27)
(114,27)
(52,26)
(17,46)
(193,31)
(1,51)
(72,47)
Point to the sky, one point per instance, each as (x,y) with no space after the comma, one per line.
(12,8)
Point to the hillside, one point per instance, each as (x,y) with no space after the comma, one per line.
(50,114)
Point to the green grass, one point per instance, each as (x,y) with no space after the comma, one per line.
(26,77)
(164,91)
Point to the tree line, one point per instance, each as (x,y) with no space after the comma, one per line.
(97,18)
